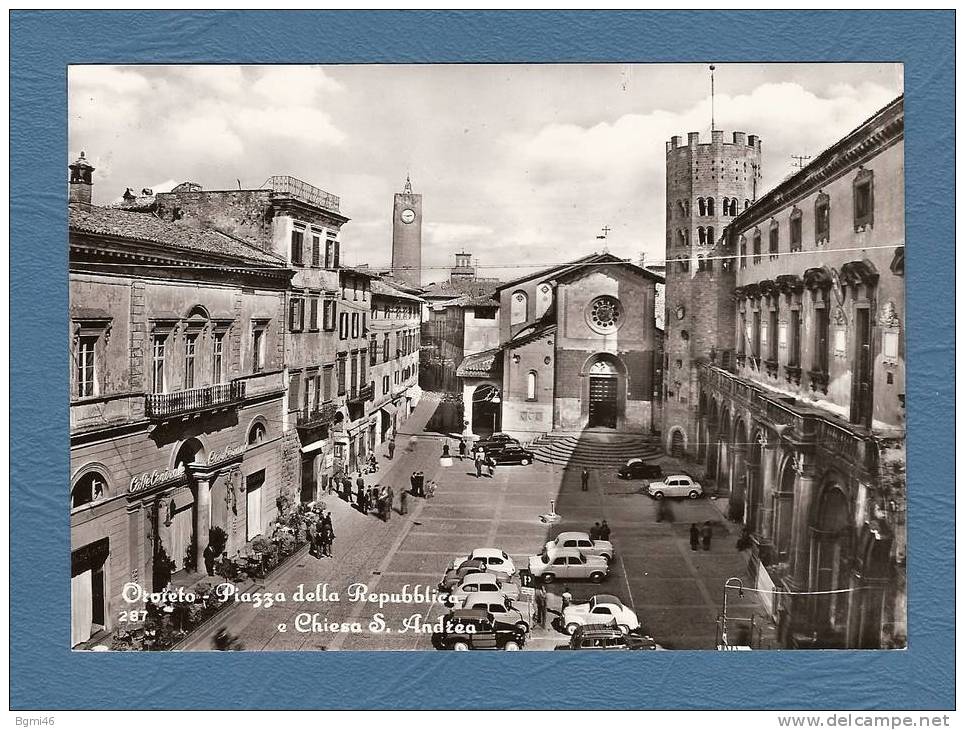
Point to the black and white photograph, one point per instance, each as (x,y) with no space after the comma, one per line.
(449,357)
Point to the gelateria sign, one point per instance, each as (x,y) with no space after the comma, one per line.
(151,479)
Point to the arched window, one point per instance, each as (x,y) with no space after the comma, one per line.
(701,235)
(701,206)
(531,385)
(519,305)
(747,204)
(710,235)
(710,206)
(90,488)
(256,434)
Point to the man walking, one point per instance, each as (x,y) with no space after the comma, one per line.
(491,465)
(585,479)
(605,531)
(462,449)
(390,501)
(694,536)
(391,448)
(706,532)
(478,464)
(595,531)
(328,533)
(403,502)
(541,606)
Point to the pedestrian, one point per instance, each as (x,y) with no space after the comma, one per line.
(462,449)
(585,479)
(445,449)
(412,487)
(313,540)
(706,532)
(403,506)
(567,597)
(491,465)
(360,481)
(391,448)
(541,606)
(420,484)
(478,468)
(595,531)
(329,533)
(605,531)
(347,486)
(390,500)
(385,505)
(694,536)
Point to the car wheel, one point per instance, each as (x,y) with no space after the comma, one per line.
(571,628)
(693,494)
(548,577)
(522,626)
(524,462)
(596,577)
(608,557)
(460,646)
(658,495)
(510,646)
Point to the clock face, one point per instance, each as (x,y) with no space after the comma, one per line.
(408,215)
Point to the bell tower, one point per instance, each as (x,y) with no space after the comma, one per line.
(81,182)
(407,235)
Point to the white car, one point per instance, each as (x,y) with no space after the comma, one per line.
(480,583)
(567,564)
(497,561)
(675,485)
(601,609)
(582,542)
(502,609)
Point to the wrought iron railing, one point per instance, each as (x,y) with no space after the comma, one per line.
(321,415)
(164,405)
(288,185)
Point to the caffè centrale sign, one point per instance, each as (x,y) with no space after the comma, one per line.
(151,479)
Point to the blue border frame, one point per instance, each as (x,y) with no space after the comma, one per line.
(44,674)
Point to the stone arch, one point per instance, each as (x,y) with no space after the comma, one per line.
(830,553)
(258,422)
(784,508)
(486,410)
(738,472)
(677,442)
(603,391)
(188,451)
(90,484)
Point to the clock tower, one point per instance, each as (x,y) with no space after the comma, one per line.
(407,235)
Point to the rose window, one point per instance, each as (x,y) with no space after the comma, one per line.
(604,314)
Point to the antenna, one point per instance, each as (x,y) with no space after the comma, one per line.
(712,124)
(800,161)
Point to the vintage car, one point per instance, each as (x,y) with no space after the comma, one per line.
(502,608)
(608,637)
(600,609)
(675,485)
(480,583)
(494,442)
(582,542)
(510,454)
(497,561)
(463,630)
(639,469)
(455,576)
(568,564)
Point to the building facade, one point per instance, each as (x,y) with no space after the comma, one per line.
(802,422)
(177,399)
(708,184)
(577,347)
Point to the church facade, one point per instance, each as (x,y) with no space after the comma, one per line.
(577,350)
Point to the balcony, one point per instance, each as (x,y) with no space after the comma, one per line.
(366,392)
(162,406)
(322,415)
(301,190)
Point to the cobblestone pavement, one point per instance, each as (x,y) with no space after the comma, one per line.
(676,592)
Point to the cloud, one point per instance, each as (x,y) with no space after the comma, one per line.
(294,84)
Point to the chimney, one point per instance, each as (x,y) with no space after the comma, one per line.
(81,182)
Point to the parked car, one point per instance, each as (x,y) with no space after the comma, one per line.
(569,564)
(582,542)
(497,561)
(496,441)
(510,454)
(466,629)
(502,608)
(639,469)
(676,485)
(454,576)
(600,609)
(608,637)
(480,583)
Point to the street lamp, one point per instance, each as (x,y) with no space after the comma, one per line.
(723,614)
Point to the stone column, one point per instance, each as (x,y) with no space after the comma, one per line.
(202,522)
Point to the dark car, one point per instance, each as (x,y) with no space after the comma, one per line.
(473,628)
(607,637)
(496,441)
(454,576)
(511,454)
(640,469)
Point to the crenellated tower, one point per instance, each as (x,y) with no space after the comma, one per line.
(708,185)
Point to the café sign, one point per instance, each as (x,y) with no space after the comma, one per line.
(228,452)
(151,479)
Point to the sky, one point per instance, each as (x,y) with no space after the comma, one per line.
(521,165)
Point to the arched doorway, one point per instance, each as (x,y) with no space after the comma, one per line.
(677,445)
(486,410)
(177,512)
(830,552)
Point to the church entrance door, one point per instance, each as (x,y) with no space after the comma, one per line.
(603,401)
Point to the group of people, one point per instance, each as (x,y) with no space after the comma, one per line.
(321,535)
(700,536)
(484,462)
(600,531)
(378,499)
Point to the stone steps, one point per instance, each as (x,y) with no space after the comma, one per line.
(589,449)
